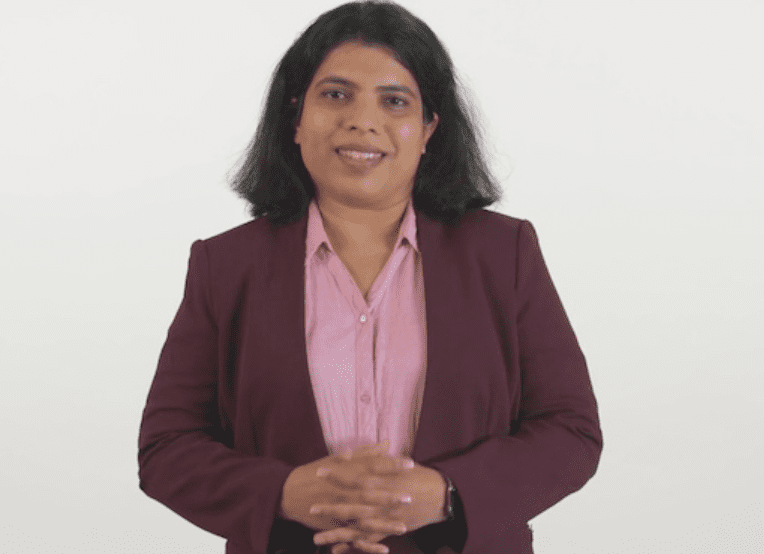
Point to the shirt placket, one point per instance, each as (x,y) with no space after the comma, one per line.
(365,388)
(367,374)
(364,399)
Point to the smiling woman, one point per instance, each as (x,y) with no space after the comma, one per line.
(375,363)
(361,132)
(415,76)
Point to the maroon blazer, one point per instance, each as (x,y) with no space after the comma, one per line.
(508,411)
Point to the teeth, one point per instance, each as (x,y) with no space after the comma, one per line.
(361,155)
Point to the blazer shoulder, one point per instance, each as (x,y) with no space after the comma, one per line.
(246,233)
(253,247)
(488,228)
(259,236)
(487,219)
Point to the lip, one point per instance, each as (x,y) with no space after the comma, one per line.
(358,147)
(360,163)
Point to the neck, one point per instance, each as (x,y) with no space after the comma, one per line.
(352,228)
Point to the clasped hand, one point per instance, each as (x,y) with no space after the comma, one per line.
(361,497)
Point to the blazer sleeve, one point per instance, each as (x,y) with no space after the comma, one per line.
(183,461)
(554,444)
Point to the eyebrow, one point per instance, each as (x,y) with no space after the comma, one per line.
(352,85)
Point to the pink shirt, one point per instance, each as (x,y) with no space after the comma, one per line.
(367,360)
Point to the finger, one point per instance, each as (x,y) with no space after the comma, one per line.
(339,537)
(371,547)
(385,465)
(374,537)
(347,453)
(344,511)
(374,482)
(340,477)
(341,534)
(343,456)
(371,450)
(382,462)
(360,452)
(379,525)
(384,498)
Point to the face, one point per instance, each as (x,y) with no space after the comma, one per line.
(361,132)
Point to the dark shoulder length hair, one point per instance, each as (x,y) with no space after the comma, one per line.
(452,177)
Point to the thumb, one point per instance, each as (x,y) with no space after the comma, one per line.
(379,449)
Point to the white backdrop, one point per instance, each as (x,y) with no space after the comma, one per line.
(631,133)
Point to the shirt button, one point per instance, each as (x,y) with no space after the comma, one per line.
(365,398)
(363,319)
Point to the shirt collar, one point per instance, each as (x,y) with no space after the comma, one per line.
(317,238)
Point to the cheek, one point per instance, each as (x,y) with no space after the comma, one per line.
(407,132)
(319,120)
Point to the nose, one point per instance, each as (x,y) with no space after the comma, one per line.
(363,114)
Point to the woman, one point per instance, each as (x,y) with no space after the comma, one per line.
(374,363)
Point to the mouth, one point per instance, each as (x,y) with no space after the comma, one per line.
(359,159)
(358,155)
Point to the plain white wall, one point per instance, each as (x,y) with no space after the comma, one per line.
(630,133)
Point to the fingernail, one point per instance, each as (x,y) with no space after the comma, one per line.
(408,464)
(314,510)
(405,499)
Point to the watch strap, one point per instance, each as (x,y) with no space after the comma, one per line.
(448,504)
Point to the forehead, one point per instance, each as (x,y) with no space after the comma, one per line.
(360,62)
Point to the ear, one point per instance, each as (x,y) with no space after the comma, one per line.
(429,129)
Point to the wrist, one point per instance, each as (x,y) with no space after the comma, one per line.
(286,501)
(442,494)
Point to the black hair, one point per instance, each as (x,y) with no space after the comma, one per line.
(452,177)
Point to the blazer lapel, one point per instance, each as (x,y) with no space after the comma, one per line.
(442,297)
(285,305)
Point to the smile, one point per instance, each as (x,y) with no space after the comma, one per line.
(360,155)
(360,162)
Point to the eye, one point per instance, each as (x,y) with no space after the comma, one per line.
(396,101)
(334,94)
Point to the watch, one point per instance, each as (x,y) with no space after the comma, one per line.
(448,504)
